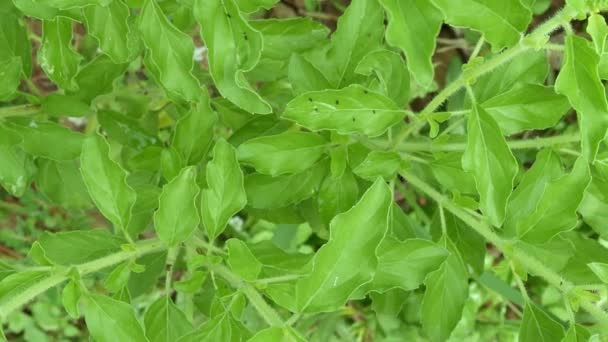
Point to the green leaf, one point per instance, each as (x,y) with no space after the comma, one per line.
(379,164)
(97,77)
(194,133)
(360,30)
(109,26)
(576,333)
(528,107)
(250,6)
(177,216)
(259,126)
(393,78)
(353,109)
(106,181)
(413,26)
(58,105)
(523,202)
(36,9)
(594,206)
(267,192)
(15,45)
(70,296)
(598,30)
(10,77)
(580,82)
(18,168)
(56,56)
(304,76)
(154,263)
(600,269)
(337,195)
(62,183)
(242,261)
(118,278)
(552,217)
(50,140)
(110,320)
(169,53)
(234,47)
(225,195)
(536,325)
(529,67)
(446,292)
(165,322)
(285,153)
(125,130)
(405,264)
(492,164)
(501,22)
(219,328)
(79,246)
(447,169)
(348,260)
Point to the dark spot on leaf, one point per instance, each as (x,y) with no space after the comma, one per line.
(228,15)
(365,92)
(337,102)
(373,111)
(310,99)
(316,109)
(354,119)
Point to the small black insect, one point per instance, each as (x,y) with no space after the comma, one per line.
(310,99)
(228,15)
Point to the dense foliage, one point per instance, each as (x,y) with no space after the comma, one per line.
(256,170)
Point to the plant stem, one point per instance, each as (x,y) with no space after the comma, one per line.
(535,143)
(266,311)
(510,250)
(30,293)
(20,110)
(563,16)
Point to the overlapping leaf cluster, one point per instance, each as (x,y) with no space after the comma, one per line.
(263,181)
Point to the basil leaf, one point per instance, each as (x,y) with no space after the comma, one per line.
(225,195)
(177,216)
(353,109)
(165,322)
(110,27)
(538,325)
(348,260)
(56,56)
(106,181)
(111,320)
(413,26)
(492,164)
(285,153)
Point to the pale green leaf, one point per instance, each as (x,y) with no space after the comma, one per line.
(106,181)
(353,109)
(379,164)
(537,326)
(277,334)
(97,77)
(110,320)
(234,47)
(14,43)
(109,26)
(10,77)
(580,82)
(225,195)
(165,322)
(391,73)
(501,22)
(285,153)
(169,54)
(492,164)
(546,168)
(448,171)
(79,246)
(446,292)
(552,216)
(50,140)
(18,167)
(576,333)
(255,5)
(304,76)
(337,195)
(348,260)
(528,107)
(177,216)
(413,26)
(242,262)
(405,264)
(600,269)
(598,30)
(70,296)
(56,56)
(194,133)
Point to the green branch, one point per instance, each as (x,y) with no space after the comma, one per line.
(515,253)
(21,110)
(532,40)
(535,143)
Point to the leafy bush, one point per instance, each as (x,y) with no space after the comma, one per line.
(226,170)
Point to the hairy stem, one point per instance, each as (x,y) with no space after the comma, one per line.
(535,143)
(22,298)
(515,253)
(20,110)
